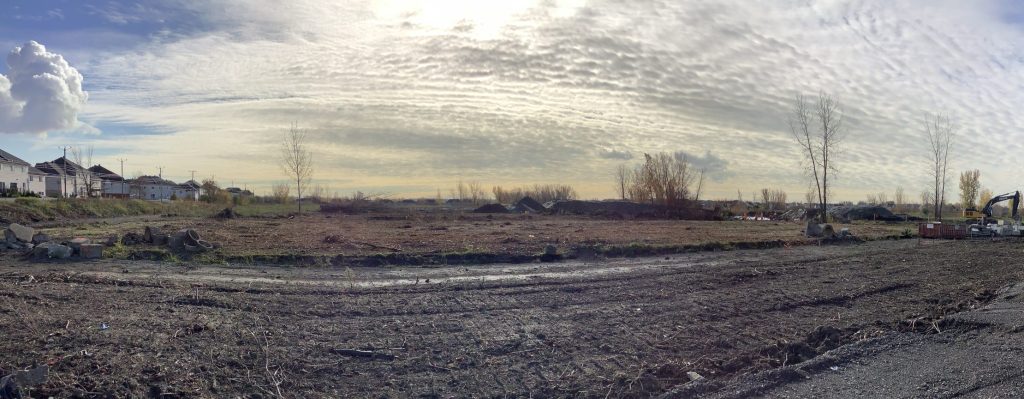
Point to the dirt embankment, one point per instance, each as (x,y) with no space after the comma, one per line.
(632,333)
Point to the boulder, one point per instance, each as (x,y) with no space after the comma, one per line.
(40,238)
(550,250)
(813,229)
(827,231)
(10,237)
(23,233)
(76,243)
(57,251)
(112,240)
(91,251)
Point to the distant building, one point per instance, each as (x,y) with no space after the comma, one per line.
(237,192)
(13,174)
(189,190)
(151,188)
(68,179)
(112,184)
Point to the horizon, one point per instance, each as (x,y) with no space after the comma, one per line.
(407,97)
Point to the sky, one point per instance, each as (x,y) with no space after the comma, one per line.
(406,97)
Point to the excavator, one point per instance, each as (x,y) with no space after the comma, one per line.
(989,226)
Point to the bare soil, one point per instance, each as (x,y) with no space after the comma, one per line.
(454,233)
(621,328)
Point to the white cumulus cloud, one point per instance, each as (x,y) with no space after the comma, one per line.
(40,92)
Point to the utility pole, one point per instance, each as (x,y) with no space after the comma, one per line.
(161,182)
(64,176)
(123,190)
(193,175)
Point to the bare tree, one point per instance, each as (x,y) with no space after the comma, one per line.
(476,192)
(663,179)
(83,179)
(461,191)
(883,199)
(970,185)
(872,199)
(818,130)
(926,201)
(899,199)
(297,160)
(622,180)
(939,131)
(280,193)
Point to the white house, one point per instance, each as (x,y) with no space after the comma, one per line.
(68,179)
(13,173)
(188,191)
(112,184)
(151,188)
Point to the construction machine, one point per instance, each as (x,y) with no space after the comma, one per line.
(990,226)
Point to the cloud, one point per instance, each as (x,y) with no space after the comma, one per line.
(616,154)
(40,92)
(548,93)
(715,168)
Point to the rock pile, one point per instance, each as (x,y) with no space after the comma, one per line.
(39,245)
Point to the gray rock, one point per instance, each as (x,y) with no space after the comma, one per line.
(76,243)
(813,229)
(40,238)
(23,233)
(10,237)
(693,376)
(58,251)
(91,251)
(550,250)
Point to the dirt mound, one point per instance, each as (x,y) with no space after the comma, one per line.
(491,208)
(227,213)
(528,204)
(863,212)
(607,208)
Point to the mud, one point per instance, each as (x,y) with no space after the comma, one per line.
(619,328)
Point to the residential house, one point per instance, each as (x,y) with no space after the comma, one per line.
(65,178)
(151,188)
(189,190)
(112,184)
(13,173)
(36,181)
(237,192)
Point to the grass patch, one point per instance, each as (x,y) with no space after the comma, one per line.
(27,210)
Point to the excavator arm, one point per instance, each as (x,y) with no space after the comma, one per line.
(1015,196)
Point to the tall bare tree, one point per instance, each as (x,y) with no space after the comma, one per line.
(970,185)
(899,199)
(297,160)
(818,129)
(622,180)
(940,133)
(83,179)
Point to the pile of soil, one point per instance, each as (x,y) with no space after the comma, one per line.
(863,212)
(491,208)
(608,208)
(528,204)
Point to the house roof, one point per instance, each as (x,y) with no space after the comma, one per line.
(105,174)
(58,166)
(33,171)
(152,180)
(7,157)
(191,184)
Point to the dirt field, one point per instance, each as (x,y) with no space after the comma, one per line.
(459,233)
(615,328)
